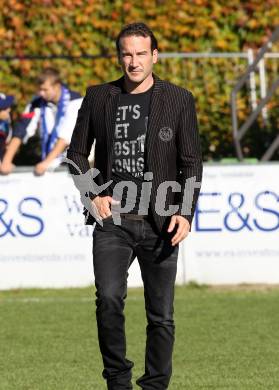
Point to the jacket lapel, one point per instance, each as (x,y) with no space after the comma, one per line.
(156,112)
(110,119)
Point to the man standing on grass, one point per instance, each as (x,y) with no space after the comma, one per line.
(147,149)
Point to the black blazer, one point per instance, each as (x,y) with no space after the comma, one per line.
(172,148)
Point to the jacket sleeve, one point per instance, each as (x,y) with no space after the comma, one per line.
(189,159)
(79,150)
(28,123)
(65,131)
(82,138)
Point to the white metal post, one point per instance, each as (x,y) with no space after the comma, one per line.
(252,78)
(263,86)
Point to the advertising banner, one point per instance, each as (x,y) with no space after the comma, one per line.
(236,228)
(234,238)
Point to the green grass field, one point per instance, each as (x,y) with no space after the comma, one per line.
(225,339)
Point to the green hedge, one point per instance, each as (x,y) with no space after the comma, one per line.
(77,28)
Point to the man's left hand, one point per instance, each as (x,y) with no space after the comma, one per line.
(182,229)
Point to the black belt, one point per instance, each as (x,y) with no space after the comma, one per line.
(133,217)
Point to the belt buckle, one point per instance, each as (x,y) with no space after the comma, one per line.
(133,217)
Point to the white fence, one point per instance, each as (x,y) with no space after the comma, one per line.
(234,239)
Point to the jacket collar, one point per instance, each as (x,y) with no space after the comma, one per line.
(116,86)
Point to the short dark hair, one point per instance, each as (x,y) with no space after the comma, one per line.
(47,74)
(139,30)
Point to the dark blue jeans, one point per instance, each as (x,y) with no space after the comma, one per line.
(114,249)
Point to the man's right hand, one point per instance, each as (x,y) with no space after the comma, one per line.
(103,205)
(6,167)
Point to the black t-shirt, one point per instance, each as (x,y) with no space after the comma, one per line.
(129,144)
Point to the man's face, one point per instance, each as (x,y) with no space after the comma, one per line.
(50,91)
(136,57)
(5,114)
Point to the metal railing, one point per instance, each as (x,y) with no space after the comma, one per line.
(253,65)
(238,133)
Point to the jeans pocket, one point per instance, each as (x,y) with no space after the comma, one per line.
(105,224)
(109,218)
